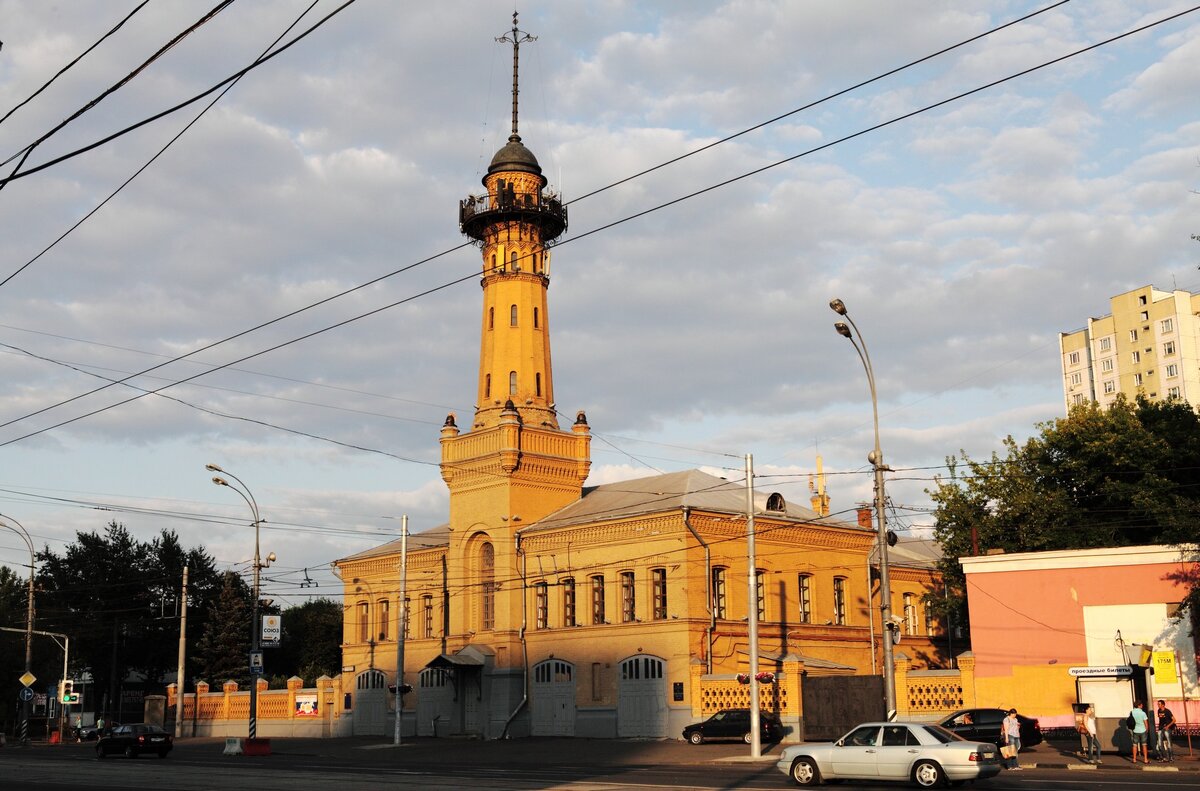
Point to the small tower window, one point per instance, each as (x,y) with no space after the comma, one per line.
(493,262)
(512,382)
(487,386)
(516,267)
(512,316)
(776,502)
(535,318)
(537,378)
(491,318)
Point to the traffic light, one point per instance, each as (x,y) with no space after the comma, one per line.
(66,691)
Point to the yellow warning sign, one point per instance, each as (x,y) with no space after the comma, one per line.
(1163,663)
(27,678)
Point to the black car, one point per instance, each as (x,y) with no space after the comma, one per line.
(133,740)
(984,725)
(734,724)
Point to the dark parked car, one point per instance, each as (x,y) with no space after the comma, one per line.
(983,725)
(734,724)
(133,740)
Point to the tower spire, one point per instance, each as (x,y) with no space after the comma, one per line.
(516,37)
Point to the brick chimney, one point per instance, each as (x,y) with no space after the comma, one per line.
(865,512)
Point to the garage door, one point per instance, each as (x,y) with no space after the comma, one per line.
(553,698)
(642,698)
(370,704)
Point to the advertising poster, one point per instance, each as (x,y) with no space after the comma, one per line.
(306,705)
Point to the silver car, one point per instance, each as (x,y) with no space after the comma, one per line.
(923,753)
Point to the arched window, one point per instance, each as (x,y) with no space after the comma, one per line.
(493,262)
(839,601)
(775,502)
(718,592)
(541,605)
(512,382)
(427,616)
(512,316)
(491,318)
(487,385)
(535,318)
(804,595)
(910,614)
(385,618)
(487,586)
(538,383)
(516,266)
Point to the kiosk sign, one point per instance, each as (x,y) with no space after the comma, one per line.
(1092,671)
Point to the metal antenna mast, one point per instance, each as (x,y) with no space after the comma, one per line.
(515,37)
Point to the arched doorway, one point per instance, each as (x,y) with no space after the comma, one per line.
(370,703)
(552,703)
(642,697)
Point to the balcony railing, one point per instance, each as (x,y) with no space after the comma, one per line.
(546,210)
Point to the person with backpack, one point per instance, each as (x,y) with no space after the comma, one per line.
(1140,728)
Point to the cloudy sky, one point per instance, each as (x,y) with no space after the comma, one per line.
(963,239)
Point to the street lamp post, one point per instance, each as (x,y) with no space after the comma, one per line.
(875,457)
(20,530)
(255,647)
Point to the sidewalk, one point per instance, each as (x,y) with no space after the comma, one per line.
(1065,754)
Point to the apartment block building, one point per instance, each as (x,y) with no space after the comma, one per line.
(1148,345)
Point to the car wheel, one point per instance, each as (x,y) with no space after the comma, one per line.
(805,772)
(927,774)
(746,738)
(99,752)
(130,752)
(696,737)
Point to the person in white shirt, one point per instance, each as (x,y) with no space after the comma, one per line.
(1011,728)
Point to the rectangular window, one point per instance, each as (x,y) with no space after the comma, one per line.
(364,622)
(718,592)
(1133,335)
(406,621)
(568,586)
(1137,380)
(1105,344)
(1168,348)
(1077,398)
(628,603)
(910,614)
(1106,365)
(1076,378)
(541,604)
(658,593)
(427,616)
(1172,392)
(839,601)
(1166,325)
(1110,386)
(1145,317)
(1136,356)
(598,599)
(385,618)
(1172,370)
(928,619)
(804,594)
(1073,358)
(760,593)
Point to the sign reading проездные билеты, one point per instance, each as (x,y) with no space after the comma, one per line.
(1101,670)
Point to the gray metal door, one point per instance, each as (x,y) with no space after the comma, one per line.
(370,704)
(552,703)
(642,698)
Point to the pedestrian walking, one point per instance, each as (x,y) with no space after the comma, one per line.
(1140,730)
(1011,731)
(1089,730)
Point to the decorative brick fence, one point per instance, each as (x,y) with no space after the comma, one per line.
(295,711)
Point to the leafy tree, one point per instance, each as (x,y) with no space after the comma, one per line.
(14,590)
(1122,476)
(223,651)
(311,643)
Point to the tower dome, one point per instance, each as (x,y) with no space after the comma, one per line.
(513,156)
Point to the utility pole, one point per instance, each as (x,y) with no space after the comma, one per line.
(179,675)
(752,612)
(402,625)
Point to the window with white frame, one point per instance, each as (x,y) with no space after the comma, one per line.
(1076,378)
(1106,365)
(1166,325)
(1172,392)
(1145,315)
(1077,398)
(1073,358)
(804,595)
(1168,348)
(658,593)
(1136,357)
(910,614)
(1105,344)
(1110,387)
(839,601)
(718,592)
(1172,370)
(1137,380)
(1133,335)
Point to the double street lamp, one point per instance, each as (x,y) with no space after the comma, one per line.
(255,646)
(20,530)
(875,457)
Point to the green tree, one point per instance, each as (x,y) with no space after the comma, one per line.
(311,643)
(222,654)
(1122,476)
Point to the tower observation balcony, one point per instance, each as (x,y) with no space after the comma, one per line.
(476,213)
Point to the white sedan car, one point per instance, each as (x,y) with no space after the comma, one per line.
(926,754)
